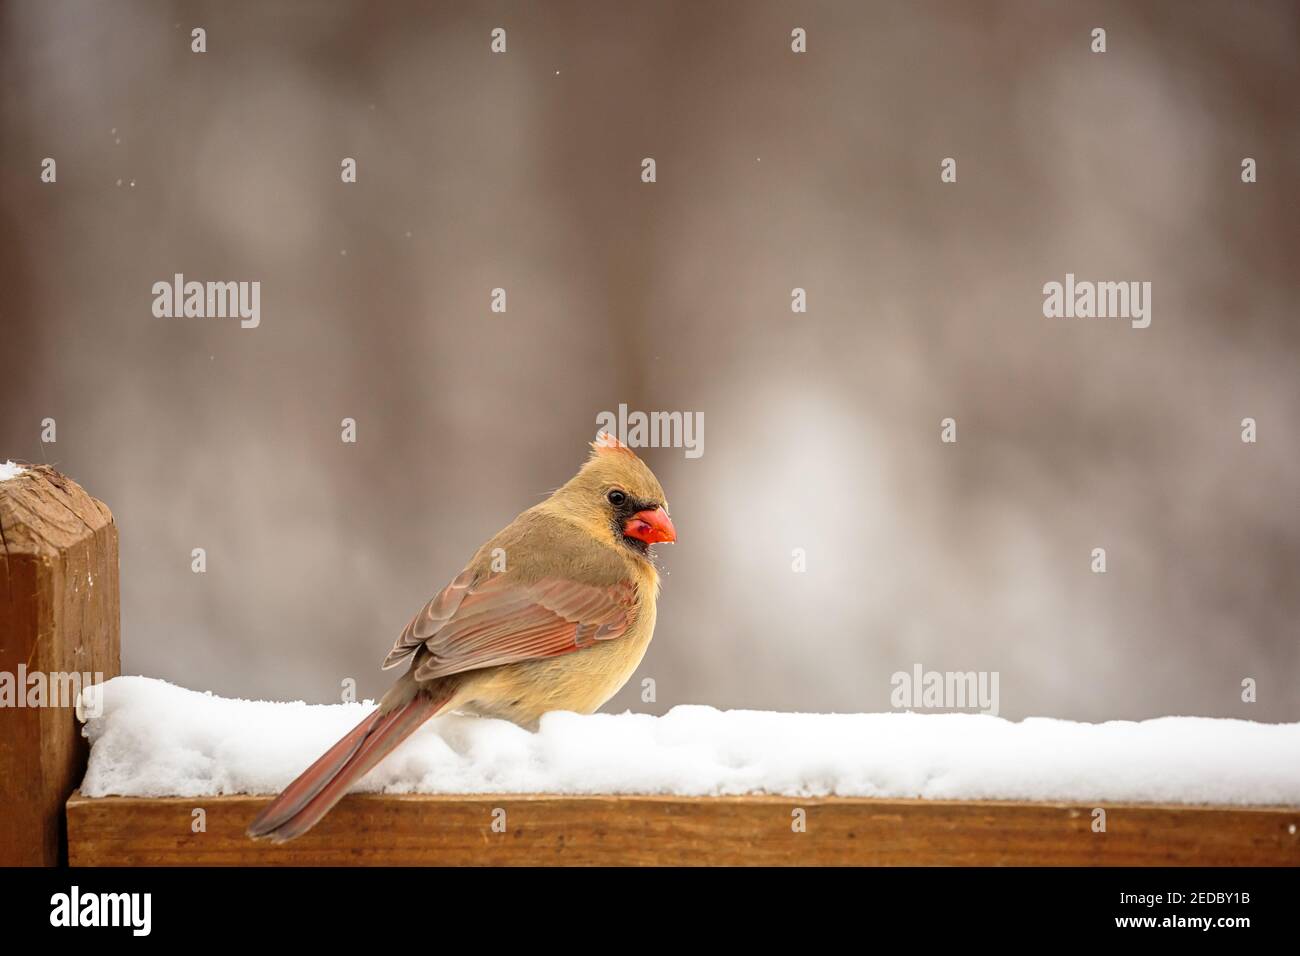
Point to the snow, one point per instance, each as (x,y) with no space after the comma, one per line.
(156,739)
(10,470)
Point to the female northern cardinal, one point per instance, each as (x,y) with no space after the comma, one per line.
(562,628)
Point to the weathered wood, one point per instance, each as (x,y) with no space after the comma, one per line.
(652,830)
(59,617)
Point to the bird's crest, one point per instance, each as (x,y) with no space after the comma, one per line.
(608,444)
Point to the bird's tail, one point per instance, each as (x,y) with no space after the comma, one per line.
(305,801)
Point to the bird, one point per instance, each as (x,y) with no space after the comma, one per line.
(554,612)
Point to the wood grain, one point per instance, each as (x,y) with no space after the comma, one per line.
(58,615)
(457,830)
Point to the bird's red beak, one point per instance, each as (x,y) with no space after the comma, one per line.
(652,527)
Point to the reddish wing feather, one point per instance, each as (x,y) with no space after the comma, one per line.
(431,617)
(474,624)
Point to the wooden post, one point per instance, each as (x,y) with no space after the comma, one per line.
(59,631)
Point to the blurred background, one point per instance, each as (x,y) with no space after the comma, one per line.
(775,170)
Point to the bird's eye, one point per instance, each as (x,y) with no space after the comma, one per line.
(616,497)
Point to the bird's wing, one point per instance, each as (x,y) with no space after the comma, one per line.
(482,620)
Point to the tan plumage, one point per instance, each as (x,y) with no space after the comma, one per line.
(562,627)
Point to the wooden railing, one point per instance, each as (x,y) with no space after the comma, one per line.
(645,830)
